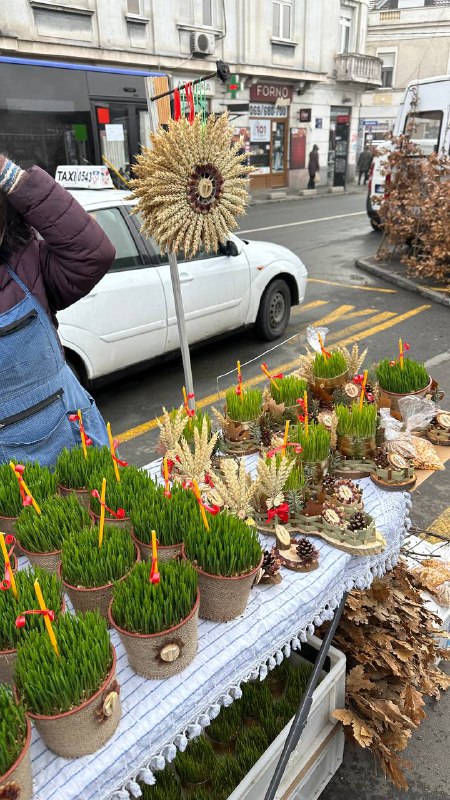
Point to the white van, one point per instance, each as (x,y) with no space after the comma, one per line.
(425,115)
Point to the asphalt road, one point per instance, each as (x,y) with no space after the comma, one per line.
(328,233)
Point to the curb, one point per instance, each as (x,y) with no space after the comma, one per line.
(295,197)
(404,283)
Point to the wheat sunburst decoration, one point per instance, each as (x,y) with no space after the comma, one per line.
(191,185)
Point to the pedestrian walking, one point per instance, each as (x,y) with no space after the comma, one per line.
(39,275)
(313,166)
(363,166)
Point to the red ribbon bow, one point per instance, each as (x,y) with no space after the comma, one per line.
(119,514)
(406,347)
(189,411)
(190,101)
(75,418)
(281,511)
(176,105)
(6,582)
(359,380)
(118,460)
(21,621)
(278,376)
(297,448)
(154,574)
(239,386)
(26,499)
(211,509)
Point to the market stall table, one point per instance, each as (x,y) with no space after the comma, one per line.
(160,716)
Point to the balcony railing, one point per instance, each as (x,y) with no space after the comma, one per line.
(356,68)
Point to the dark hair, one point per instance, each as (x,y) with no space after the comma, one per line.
(17,231)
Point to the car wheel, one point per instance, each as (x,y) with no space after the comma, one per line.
(375,225)
(274,311)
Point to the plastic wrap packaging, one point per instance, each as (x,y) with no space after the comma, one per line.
(417,414)
(312,337)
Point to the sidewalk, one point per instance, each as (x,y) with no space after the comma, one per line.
(260,196)
(392,271)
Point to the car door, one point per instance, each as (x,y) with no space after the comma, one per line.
(123,320)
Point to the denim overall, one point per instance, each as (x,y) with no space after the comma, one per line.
(38,390)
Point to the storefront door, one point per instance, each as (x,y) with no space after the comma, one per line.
(268,153)
(120,129)
(278,154)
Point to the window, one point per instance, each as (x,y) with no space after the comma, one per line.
(345,29)
(424,128)
(134,6)
(207,12)
(114,225)
(282,19)
(387,70)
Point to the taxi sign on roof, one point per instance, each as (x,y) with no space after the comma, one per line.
(88,177)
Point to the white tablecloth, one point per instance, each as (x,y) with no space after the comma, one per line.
(160,716)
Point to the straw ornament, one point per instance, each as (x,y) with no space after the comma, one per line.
(191,185)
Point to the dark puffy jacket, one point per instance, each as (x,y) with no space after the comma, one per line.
(74,255)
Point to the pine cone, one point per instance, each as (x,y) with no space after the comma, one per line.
(357,522)
(328,484)
(10,791)
(266,436)
(270,565)
(380,458)
(306,552)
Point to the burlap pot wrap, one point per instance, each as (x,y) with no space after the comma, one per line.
(356,448)
(84,729)
(83,495)
(165,553)
(8,525)
(331,383)
(391,398)
(8,660)
(124,523)
(147,653)
(97,599)
(47,561)
(222,599)
(20,772)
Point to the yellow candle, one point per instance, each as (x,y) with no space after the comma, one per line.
(305,403)
(240,380)
(8,572)
(83,437)
(154,551)
(112,450)
(400,350)
(184,396)
(286,434)
(199,500)
(268,375)
(363,389)
(320,341)
(102,513)
(48,624)
(25,488)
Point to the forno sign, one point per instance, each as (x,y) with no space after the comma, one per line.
(270,92)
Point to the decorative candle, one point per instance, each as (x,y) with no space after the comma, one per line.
(199,500)
(166,477)
(240,381)
(154,572)
(285,440)
(400,351)
(268,375)
(8,567)
(25,488)
(82,433)
(47,620)
(305,404)
(102,513)
(363,389)
(185,400)
(112,450)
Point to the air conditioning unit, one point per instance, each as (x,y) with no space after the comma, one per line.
(202,44)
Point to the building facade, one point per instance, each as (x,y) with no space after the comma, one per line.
(299,70)
(412,38)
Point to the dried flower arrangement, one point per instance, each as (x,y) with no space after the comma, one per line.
(234,488)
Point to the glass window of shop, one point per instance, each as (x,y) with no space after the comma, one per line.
(45,116)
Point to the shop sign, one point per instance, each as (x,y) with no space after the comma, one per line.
(270,92)
(343,119)
(208,88)
(282,101)
(260,130)
(267,110)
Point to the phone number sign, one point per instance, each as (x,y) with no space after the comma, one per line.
(268,110)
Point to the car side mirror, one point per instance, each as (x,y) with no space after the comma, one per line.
(231,249)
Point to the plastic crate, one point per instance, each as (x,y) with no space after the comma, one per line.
(320,750)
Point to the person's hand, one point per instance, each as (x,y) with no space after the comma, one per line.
(3,161)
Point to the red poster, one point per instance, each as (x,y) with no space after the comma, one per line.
(298,148)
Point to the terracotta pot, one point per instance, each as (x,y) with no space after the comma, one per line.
(20,772)
(161,655)
(391,398)
(83,495)
(223,748)
(124,523)
(82,730)
(191,787)
(278,686)
(328,384)
(93,599)
(356,448)
(47,561)
(165,552)
(223,598)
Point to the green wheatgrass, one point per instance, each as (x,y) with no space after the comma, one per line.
(251,744)
(296,479)
(73,470)
(288,390)
(39,480)
(315,446)
(45,532)
(49,684)
(10,608)
(227,724)
(168,516)
(324,367)
(229,548)
(142,607)
(165,788)
(356,422)
(134,485)
(13,729)
(197,763)
(245,407)
(412,378)
(85,564)
(196,423)
(256,699)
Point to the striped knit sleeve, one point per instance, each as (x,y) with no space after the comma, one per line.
(10,175)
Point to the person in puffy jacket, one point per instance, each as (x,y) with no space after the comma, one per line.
(39,275)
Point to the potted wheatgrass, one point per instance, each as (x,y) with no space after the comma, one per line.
(39,480)
(73,470)
(315,441)
(41,535)
(88,570)
(356,430)
(196,765)
(243,412)
(285,394)
(12,607)
(155,613)
(67,683)
(120,497)
(227,556)
(330,370)
(15,739)
(168,516)
(400,378)
(224,729)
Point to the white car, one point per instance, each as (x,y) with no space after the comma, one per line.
(129,317)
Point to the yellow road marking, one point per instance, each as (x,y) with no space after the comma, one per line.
(358,286)
(362,312)
(310,306)
(145,427)
(360,326)
(342,311)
